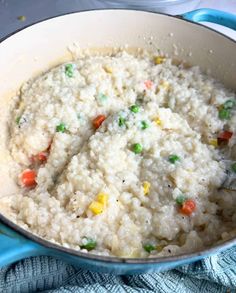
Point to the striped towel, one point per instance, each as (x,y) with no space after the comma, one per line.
(212,275)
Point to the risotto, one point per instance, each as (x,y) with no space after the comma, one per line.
(124,155)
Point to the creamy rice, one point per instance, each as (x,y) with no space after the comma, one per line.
(119,186)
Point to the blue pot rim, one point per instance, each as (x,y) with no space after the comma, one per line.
(155,260)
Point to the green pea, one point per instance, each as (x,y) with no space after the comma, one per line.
(144,125)
(137,148)
(134,108)
(233,167)
(149,247)
(229,104)
(224,114)
(89,245)
(61,127)
(18,120)
(173,159)
(69,70)
(180,199)
(121,121)
(102,98)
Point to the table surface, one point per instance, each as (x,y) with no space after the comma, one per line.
(35,10)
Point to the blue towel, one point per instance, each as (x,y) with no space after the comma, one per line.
(212,275)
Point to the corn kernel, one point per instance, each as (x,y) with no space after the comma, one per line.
(102,198)
(159,248)
(213,142)
(96,207)
(165,85)
(158,121)
(108,69)
(159,60)
(146,187)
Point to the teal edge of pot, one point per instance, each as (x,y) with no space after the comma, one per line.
(14,247)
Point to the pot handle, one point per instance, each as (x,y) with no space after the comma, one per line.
(211,15)
(14,247)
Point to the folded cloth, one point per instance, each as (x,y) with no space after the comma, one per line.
(212,275)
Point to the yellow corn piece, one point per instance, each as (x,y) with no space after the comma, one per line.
(96,207)
(108,69)
(220,107)
(159,59)
(213,142)
(165,85)
(102,198)
(159,248)
(158,121)
(146,187)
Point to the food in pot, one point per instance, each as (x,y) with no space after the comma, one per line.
(124,155)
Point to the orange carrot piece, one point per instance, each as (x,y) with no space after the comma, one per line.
(188,207)
(98,121)
(28,178)
(148,84)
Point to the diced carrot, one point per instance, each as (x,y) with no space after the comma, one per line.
(28,178)
(148,84)
(224,137)
(98,121)
(42,157)
(188,207)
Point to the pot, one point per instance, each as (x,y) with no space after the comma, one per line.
(38,47)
